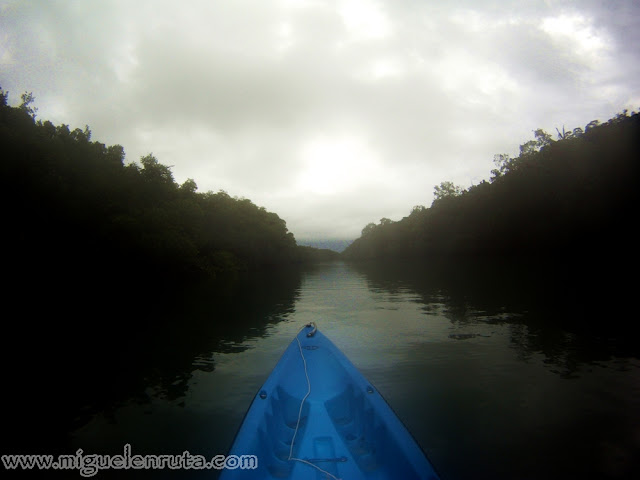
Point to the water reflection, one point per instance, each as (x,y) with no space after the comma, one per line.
(474,360)
(523,385)
(201,321)
(140,348)
(478,294)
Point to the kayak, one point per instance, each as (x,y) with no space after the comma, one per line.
(318,417)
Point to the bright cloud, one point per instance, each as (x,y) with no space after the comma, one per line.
(364,19)
(334,165)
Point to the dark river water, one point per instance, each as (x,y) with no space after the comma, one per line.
(492,380)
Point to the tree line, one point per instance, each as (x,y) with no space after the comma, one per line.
(73,205)
(571,197)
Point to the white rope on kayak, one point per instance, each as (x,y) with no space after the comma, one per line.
(304,362)
(306,374)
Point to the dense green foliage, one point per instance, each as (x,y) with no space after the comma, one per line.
(73,205)
(574,197)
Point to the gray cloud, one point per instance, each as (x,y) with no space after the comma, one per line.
(333,114)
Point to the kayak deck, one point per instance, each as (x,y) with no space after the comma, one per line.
(340,426)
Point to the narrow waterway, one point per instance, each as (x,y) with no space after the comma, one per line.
(488,384)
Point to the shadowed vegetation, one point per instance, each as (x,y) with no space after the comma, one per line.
(574,197)
(78,208)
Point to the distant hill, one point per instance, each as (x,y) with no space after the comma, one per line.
(328,244)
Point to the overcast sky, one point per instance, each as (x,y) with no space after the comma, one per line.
(332,114)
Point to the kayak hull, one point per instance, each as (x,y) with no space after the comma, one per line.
(340,426)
